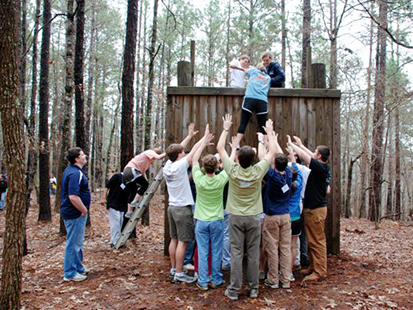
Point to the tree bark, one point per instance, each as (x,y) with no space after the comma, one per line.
(306,44)
(14,154)
(80,130)
(397,185)
(151,77)
(32,152)
(347,205)
(127,83)
(364,158)
(376,171)
(67,105)
(138,85)
(45,213)
(283,36)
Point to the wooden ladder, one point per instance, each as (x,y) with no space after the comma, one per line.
(140,209)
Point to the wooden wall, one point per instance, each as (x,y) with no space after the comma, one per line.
(312,114)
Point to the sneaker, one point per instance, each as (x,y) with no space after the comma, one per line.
(254,293)
(202,288)
(84,273)
(128,214)
(231,296)
(292,277)
(285,285)
(212,285)
(262,275)
(77,278)
(184,278)
(269,284)
(189,267)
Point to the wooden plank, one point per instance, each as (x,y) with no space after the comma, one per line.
(278,115)
(274,92)
(303,128)
(170,116)
(311,124)
(212,121)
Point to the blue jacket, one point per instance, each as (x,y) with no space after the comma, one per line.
(277,192)
(276,72)
(294,201)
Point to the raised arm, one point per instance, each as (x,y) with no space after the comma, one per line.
(305,157)
(227,119)
(262,150)
(234,147)
(300,144)
(191,134)
(291,157)
(207,138)
(272,137)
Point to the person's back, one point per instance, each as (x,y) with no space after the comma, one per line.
(258,85)
(244,192)
(277,192)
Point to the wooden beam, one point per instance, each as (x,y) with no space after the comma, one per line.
(274,92)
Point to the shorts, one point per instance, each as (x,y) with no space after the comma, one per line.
(181,223)
(255,106)
(296,227)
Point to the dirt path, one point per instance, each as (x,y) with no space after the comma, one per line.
(373,271)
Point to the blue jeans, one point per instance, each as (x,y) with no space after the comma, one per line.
(226,257)
(205,233)
(74,243)
(189,254)
(2,200)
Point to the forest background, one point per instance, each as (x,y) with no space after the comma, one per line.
(94,74)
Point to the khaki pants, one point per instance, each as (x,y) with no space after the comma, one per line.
(317,246)
(277,235)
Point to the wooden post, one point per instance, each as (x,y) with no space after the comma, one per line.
(318,76)
(184,73)
(192,63)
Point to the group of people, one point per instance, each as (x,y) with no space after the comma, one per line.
(279,200)
(270,198)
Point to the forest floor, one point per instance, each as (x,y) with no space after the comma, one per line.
(373,271)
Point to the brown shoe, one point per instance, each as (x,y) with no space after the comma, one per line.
(312,277)
(306,272)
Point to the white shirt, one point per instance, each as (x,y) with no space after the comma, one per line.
(237,77)
(177,182)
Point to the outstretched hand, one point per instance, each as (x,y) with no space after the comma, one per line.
(234,144)
(207,139)
(227,119)
(298,141)
(191,130)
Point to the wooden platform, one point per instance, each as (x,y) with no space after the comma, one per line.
(312,114)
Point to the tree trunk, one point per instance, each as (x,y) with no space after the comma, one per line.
(283,35)
(67,105)
(306,44)
(44,198)
(91,66)
(397,186)
(389,203)
(377,136)
(364,158)
(23,47)
(347,205)
(32,152)
(127,83)
(137,90)
(80,130)
(14,154)
(227,60)
(151,77)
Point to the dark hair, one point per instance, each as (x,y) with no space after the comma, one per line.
(246,156)
(73,153)
(324,151)
(173,151)
(210,163)
(281,162)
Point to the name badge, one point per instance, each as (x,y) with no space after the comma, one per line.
(122,186)
(285,188)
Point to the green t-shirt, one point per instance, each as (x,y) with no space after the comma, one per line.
(244,193)
(209,195)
